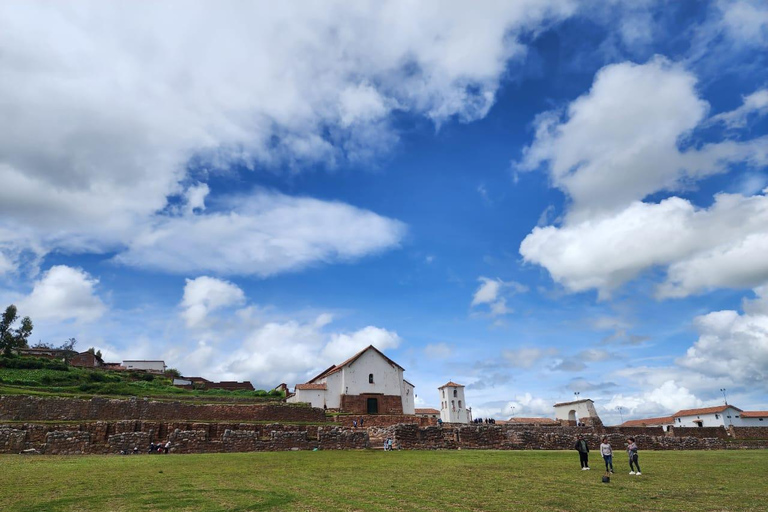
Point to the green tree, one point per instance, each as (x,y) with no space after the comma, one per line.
(11,338)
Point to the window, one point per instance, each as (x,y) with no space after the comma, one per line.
(737,415)
(717,416)
(729,415)
(443,393)
(455,393)
(370,378)
(761,419)
(679,420)
(459,404)
(453,405)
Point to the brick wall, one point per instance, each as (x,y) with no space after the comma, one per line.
(28,408)
(358,404)
(700,432)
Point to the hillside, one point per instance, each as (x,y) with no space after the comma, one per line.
(37,376)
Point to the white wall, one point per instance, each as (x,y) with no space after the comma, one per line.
(453,409)
(715,419)
(754,422)
(387,379)
(153,366)
(314,397)
(409,405)
(583,410)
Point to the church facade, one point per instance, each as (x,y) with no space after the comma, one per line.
(367,383)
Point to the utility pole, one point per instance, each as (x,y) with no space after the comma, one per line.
(621,413)
(722,390)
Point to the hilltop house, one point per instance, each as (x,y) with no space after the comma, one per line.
(367,383)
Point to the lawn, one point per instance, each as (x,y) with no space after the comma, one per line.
(376,480)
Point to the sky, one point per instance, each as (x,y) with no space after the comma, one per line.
(543,200)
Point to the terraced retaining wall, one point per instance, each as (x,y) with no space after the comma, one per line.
(30,408)
(200,437)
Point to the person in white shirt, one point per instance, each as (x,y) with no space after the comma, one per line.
(607,452)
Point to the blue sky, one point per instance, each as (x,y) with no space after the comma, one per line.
(534,199)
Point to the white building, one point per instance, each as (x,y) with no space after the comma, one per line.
(718,416)
(453,405)
(577,412)
(147,366)
(367,383)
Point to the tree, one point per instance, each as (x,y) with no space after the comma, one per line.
(11,338)
(93,351)
(69,344)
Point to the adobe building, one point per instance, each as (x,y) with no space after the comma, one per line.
(367,383)
(453,405)
(578,412)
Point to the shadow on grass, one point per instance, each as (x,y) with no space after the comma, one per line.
(231,500)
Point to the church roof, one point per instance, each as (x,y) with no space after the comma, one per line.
(451,384)
(310,386)
(337,367)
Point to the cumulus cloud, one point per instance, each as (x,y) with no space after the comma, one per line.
(745,20)
(104,107)
(731,344)
(204,295)
(620,141)
(491,293)
(665,399)
(64,293)
(262,234)
(703,248)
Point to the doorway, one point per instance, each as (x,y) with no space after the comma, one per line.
(373,406)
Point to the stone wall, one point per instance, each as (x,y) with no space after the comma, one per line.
(701,432)
(358,404)
(383,420)
(749,432)
(185,437)
(29,408)
(201,437)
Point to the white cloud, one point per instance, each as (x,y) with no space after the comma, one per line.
(262,234)
(205,295)
(438,351)
(526,357)
(665,399)
(490,292)
(756,103)
(732,344)
(344,345)
(721,246)
(620,141)
(64,293)
(745,20)
(104,107)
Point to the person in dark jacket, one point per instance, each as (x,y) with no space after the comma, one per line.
(583,449)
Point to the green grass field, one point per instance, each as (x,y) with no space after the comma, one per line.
(376,481)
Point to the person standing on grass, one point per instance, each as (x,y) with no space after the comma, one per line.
(607,452)
(632,452)
(583,449)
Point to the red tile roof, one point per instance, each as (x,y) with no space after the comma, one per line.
(754,414)
(704,410)
(310,386)
(427,411)
(649,422)
(532,421)
(451,384)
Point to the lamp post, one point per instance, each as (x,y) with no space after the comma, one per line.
(576,394)
(621,413)
(722,390)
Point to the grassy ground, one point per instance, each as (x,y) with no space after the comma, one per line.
(377,481)
(69,381)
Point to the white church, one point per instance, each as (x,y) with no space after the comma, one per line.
(453,405)
(367,383)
